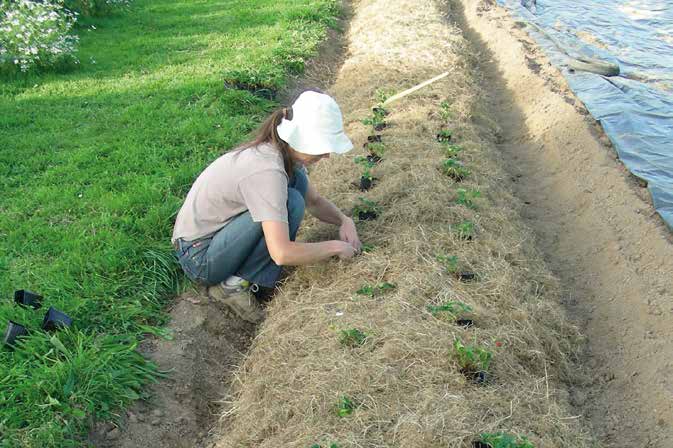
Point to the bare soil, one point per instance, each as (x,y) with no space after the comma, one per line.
(595,225)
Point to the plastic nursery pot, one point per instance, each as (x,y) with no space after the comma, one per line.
(380,126)
(467,323)
(443,138)
(479,377)
(367,216)
(366,183)
(466,276)
(374,139)
(480,444)
(380,111)
(373,158)
(55,320)
(13,332)
(27,298)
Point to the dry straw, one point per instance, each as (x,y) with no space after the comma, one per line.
(408,387)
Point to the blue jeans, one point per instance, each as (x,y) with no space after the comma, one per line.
(239,248)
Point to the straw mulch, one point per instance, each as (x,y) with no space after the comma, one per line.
(407,383)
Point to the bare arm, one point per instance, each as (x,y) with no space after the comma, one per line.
(290,253)
(327,212)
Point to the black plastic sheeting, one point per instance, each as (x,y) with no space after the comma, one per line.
(636,107)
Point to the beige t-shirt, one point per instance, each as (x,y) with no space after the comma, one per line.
(253,179)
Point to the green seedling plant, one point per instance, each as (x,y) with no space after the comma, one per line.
(376,290)
(452,151)
(445,110)
(331,445)
(450,263)
(345,406)
(376,148)
(381,96)
(366,209)
(352,337)
(444,136)
(471,358)
(502,440)
(455,169)
(465,230)
(366,166)
(454,309)
(467,197)
(366,248)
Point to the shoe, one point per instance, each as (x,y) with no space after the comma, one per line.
(237,299)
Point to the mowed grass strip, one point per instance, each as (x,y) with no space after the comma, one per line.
(94,164)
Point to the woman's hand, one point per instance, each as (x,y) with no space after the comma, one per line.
(349,234)
(344,250)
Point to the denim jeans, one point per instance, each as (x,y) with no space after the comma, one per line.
(239,247)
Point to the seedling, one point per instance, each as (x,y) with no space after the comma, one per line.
(452,151)
(455,169)
(14,331)
(445,110)
(366,177)
(444,136)
(376,149)
(377,120)
(449,262)
(465,230)
(376,290)
(352,337)
(382,95)
(473,361)
(345,407)
(467,197)
(27,298)
(55,320)
(502,440)
(453,309)
(366,210)
(366,248)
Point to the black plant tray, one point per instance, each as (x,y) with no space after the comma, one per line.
(27,298)
(466,276)
(374,138)
(380,126)
(55,320)
(366,184)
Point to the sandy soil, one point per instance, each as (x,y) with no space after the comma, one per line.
(595,226)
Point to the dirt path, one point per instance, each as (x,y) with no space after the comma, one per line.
(595,227)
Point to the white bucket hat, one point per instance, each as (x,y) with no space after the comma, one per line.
(316,127)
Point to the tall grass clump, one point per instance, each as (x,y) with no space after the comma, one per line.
(94,165)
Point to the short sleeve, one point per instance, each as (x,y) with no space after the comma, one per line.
(265,195)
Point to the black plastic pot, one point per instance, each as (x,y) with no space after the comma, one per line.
(373,158)
(367,216)
(480,444)
(443,138)
(27,298)
(381,111)
(480,377)
(380,126)
(55,320)
(466,276)
(13,332)
(365,183)
(467,323)
(374,138)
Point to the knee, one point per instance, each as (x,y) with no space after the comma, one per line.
(295,206)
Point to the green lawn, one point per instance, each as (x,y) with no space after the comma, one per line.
(94,163)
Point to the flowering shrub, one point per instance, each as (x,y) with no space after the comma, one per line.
(95,7)
(35,33)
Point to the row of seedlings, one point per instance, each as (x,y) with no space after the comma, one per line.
(473,360)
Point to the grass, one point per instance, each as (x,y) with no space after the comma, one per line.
(95,161)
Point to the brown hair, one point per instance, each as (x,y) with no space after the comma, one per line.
(267,133)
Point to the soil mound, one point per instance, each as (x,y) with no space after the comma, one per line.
(344,359)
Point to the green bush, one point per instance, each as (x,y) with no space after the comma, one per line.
(35,34)
(95,7)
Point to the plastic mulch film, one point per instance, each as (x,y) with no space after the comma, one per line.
(635,107)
